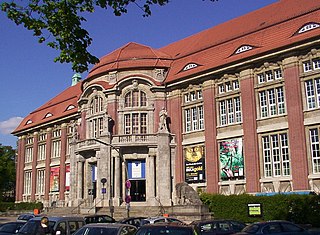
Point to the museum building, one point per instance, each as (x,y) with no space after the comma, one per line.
(233,109)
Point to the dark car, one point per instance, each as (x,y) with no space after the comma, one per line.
(106,229)
(275,228)
(99,219)
(10,227)
(218,227)
(166,228)
(25,217)
(62,225)
(160,219)
(135,221)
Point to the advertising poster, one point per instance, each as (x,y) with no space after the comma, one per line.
(231,159)
(54,179)
(194,164)
(67,178)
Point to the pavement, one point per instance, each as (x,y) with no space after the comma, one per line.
(5,219)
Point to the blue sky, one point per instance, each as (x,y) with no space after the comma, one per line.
(29,77)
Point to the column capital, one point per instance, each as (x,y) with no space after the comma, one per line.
(245,74)
(290,62)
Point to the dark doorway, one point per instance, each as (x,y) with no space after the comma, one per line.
(138,190)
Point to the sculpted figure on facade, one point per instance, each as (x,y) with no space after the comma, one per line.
(163,114)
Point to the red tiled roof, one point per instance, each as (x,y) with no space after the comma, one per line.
(132,55)
(58,107)
(266,30)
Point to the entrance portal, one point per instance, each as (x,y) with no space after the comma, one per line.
(138,190)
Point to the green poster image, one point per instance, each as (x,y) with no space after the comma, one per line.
(231,159)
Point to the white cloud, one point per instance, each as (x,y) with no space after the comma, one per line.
(7,126)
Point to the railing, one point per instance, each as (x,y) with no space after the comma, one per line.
(134,139)
(78,207)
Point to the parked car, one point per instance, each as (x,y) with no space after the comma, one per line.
(106,229)
(60,225)
(10,227)
(99,219)
(25,217)
(167,229)
(135,221)
(275,228)
(217,227)
(160,219)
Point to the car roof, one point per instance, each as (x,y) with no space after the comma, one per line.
(107,225)
(166,224)
(89,216)
(58,218)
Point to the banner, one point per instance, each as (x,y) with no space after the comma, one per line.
(194,164)
(54,179)
(231,159)
(67,187)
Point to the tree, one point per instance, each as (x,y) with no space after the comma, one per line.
(7,170)
(62,19)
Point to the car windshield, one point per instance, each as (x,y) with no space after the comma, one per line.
(164,230)
(253,228)
(31,227)
(94,231)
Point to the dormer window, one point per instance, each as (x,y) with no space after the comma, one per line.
(190,66)
(243,49)
(48,115)
(70,107)
(29,122)
(308,27)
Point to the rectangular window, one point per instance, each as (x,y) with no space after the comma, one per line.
(40,181)
(269,75)
(56,149)
(230,111)
(29,154)
(261,78)
(312,87)
(221,88)
(272,102)
(316,63)
(186,98)
(307,66)
(187,114)
(135,123)
(41,152)
(236,85)
(27,183)
(278,74)
(276,157)
(194,118)
(315,149)
(127,124)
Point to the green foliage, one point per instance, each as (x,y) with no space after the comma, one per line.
(7,170)
(301,209)
(22,206)
(62,20)
(58,23)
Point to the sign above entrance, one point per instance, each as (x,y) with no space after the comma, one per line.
(137,169)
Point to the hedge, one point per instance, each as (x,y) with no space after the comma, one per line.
(300,209)
(7,206)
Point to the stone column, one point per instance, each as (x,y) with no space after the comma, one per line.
(34,166)
(151,179)
(164,176)
(80,179)
(297,136)
(117,177)
(62,174)
(47,167)
(249,121)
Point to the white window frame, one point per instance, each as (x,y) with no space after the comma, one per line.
(315,149)
(272,102)
(230,111)
(40,181)
(194,118)
(27,182)
(275,154)
(56,148)
(312,91)
(41,151)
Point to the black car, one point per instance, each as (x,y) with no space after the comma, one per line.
(10,227)
(106,229)
(167,229)
(275,228)
(135,221)
(89,219)
(218,227)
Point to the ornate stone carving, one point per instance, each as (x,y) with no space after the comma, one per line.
(186,195)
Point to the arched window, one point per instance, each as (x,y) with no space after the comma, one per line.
(96,105)
(135,98)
